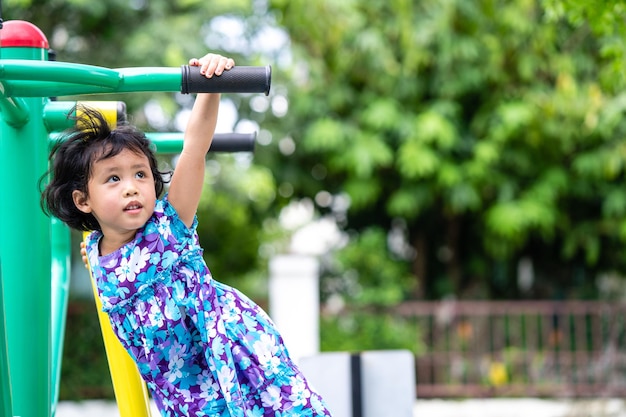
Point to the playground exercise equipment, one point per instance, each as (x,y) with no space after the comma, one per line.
(33,294)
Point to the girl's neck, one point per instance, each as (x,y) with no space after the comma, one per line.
(108,244)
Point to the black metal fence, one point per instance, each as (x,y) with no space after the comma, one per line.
(522,348)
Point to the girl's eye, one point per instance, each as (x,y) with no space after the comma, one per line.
(141,174)
(113,178)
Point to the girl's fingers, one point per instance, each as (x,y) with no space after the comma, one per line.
(83,253)
(209,68)
(224,64)
(221,65)
(213,64)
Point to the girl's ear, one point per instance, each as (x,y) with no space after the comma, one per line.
(81,201)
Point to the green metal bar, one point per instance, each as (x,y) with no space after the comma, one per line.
(72,79)
(173,142)
(14,109)
(222,142)
(167,142)
(23,54)
(59,115)
(52,89)
(25,252)
(60,274)
(56,115)
(150,79)
(5,385)
(54,71)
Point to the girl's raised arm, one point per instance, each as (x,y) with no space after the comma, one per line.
(186,185)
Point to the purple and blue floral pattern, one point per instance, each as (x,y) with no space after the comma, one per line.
(203,348)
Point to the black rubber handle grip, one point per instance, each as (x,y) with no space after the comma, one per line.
(235,80)
(233,142)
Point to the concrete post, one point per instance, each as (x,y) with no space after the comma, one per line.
(294,302)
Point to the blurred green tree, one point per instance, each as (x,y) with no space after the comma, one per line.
(606,20)
(486,132)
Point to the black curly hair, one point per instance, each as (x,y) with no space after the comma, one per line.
(73,155)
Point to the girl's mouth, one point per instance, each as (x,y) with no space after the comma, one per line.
(133,206)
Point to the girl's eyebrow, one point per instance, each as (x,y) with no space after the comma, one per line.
(139,165)
(115,168)
(109,169)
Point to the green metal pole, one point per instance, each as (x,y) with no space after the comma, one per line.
(22,79)
(6,407)
(222,142)
(59,72)
(61,265)
(25,243)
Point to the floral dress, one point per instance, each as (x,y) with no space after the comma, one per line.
(203,348)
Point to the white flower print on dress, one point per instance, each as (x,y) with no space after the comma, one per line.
(230,311)
(209,389)
(175,369)
(171,310)
(226,376)
(265,349)
(139,259)
(163,226)
(125,271)
(299,391)
(211,324)
(271,397)
(156,316)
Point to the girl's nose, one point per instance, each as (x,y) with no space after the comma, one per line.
(130,190)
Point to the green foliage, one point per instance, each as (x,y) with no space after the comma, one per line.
(360,331)
(490,127)
(230,216)
(366,274)
(364,281)
(606,20)
(84,371)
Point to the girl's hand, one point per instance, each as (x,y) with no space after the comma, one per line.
(212,64)
(83,254)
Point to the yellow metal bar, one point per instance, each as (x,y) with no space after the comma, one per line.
(113,111)
(130,390)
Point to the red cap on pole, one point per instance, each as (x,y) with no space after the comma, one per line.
(22,34)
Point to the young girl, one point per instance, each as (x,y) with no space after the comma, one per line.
(203,348)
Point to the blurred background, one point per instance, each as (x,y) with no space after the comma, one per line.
(456,167)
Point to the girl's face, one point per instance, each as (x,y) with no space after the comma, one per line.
(121,195)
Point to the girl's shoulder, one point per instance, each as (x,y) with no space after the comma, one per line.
(163,207)
(166,219)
